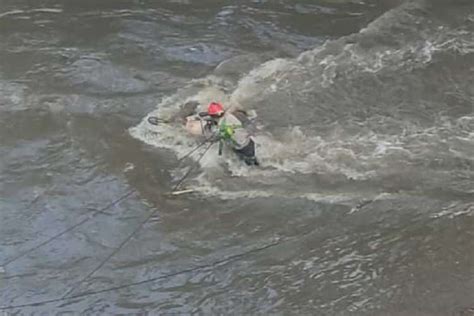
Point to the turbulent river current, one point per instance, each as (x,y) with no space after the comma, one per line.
(363,203)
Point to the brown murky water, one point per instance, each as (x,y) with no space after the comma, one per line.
(363,204)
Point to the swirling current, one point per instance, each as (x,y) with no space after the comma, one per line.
(363,203)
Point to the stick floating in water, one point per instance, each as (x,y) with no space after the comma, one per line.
(182,192)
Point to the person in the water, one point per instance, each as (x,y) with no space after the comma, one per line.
(227,127)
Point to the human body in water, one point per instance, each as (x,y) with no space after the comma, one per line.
(228,127)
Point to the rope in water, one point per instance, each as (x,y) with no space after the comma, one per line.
(126,240)
(67,230)
(229,259)
(123,197)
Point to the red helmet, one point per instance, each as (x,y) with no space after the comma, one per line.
(215,108)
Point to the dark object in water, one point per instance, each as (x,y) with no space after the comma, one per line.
(247,154)
(153,120)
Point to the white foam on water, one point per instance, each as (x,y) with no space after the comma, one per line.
(454,210)
(206,188)
(262,80)
(174,136)
(25,12)
(359,155)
